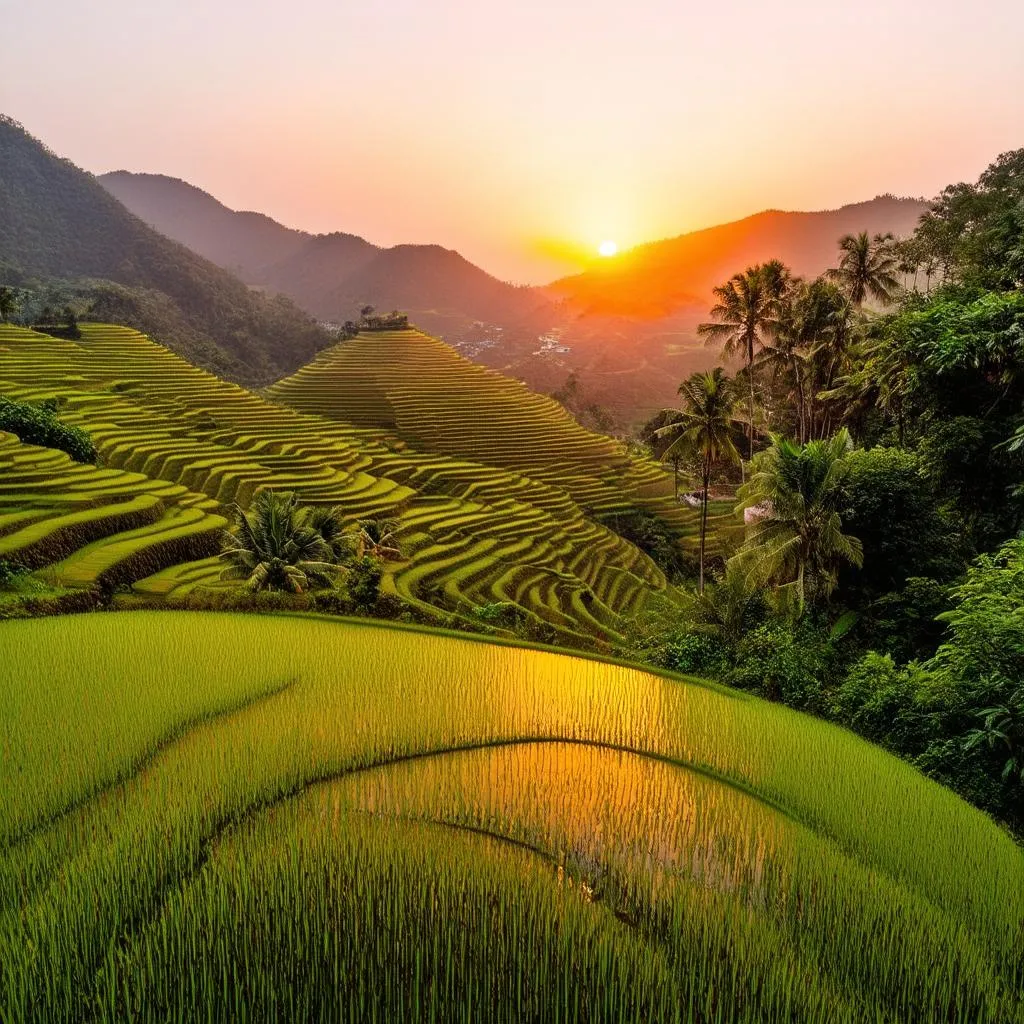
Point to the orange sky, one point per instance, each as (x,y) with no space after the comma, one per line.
(523,134)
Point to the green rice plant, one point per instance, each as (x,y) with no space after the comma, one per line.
(59,535)
(283,817)
(165,428)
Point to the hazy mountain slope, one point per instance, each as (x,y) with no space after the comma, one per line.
(430,277)
(57,221)
(241,242)
(331,275)
(311,274)
(657,278)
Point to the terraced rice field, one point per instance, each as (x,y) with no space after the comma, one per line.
(425,391)
(85,526)
(277,818)
(474,534)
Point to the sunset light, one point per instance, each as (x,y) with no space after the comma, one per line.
(503,465)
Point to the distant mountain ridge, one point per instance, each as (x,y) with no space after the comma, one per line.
(626,327)
(58,223)
(331,275)
(239,242)
(658,278)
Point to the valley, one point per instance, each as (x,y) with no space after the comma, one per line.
(505,579)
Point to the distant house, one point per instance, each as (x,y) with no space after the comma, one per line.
(393,321)
(755,513)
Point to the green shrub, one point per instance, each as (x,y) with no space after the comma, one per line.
(11,573)
(363,582)
(500,613)
(883,702)
(891,506)
(656,539)
(37,423)
(785,662)
(698,654)
(905,622)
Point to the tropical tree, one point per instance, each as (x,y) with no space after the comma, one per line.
(8,303)
(279,545)
(809,344)
(725,610)
(974,233)
(795,541)
(377,538)
(702,433)
(330,524)
(837,329)
(747,306)
(867,267)
(880,377)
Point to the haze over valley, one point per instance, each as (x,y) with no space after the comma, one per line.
(625,329)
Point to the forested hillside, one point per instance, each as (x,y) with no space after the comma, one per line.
(879,413)
(60,230)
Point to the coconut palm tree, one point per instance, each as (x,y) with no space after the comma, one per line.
(746,307)
(795,541)
(330,524)
(879,377)
(702,433)
(793,334)
(725,608)
(834,330)
(867,267)
(275,546)
(378,539)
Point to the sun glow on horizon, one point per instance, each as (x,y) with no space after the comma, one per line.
(608,248)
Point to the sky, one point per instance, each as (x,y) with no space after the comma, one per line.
(524,133)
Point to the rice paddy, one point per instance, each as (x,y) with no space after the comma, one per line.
(274,817)
(478,526)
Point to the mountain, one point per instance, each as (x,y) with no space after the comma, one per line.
(659,278)
(331,275)
(239,242)
(622,334)
(627,328)
(58,222)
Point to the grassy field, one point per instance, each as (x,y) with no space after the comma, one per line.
(216,817)
(177,445)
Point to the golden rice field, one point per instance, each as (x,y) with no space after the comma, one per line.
(177,445)
(237,818)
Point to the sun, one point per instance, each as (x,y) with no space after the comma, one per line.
(608,248)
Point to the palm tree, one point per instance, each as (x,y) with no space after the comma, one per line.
(702,432)
(276,546)
(330,524)
(835,330)
(867,267)
(724,609)
(793,335)
(378,539)
(880,377)
(746,307)
(795,541)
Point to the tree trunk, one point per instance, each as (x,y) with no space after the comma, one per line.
(750,430)
(675,475)
(799,399)
(704,520)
